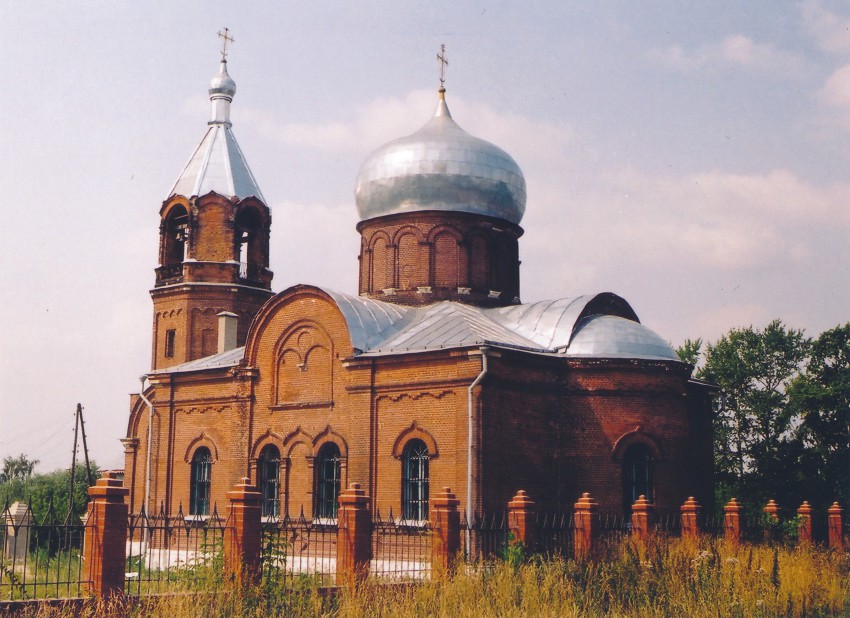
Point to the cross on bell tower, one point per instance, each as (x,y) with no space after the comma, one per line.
(224,35)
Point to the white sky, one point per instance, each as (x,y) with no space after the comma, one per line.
(693,157)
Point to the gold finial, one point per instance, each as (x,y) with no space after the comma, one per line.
(225,36)
(443,64)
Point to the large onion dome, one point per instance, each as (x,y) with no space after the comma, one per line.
(440,167)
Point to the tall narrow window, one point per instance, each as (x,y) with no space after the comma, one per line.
(327,466)
(176,232)
(248,249)
(637,475)
(414,481)
(199,490)
(170,334)
(268,480)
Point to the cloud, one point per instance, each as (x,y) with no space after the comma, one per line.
(375,123)
(831,31)
(735,51)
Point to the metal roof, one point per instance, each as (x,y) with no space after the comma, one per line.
(593,326)
(441,167)
(218,163)
(231,358)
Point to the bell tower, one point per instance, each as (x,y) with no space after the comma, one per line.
(213,243)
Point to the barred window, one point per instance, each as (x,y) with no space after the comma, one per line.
(199,490)
(414,481)
(268,479)
(328,470)
(637,475)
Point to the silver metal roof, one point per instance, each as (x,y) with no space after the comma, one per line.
(231,358)
(218,163)
(608,336)
(441,167)
(594,325)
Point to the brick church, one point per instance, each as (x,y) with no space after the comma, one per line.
(434,375)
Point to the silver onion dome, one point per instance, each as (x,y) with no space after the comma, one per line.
(440,167)
(222,83)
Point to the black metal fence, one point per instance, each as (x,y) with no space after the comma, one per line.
(40,557)
(176,552)
(299,548)
(401,550)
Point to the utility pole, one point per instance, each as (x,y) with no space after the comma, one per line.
(73,462)
(79,424)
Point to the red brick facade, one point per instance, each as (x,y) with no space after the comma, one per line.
(425,257)
(552,426)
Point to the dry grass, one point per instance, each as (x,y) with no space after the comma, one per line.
(663,578)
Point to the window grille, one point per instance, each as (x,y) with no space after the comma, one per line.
(327,481)
(637,475)
(199,498)
(268,480)
(414,481)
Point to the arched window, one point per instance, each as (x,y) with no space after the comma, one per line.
(268,479)
(637,475)
(327,466)
(414,481)
(199,484)
(176,231)
(248,242)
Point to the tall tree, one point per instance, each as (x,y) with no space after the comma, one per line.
(17,468)
(754,424)
(821,397)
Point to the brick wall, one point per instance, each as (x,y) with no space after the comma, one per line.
(441,251)
(550,426)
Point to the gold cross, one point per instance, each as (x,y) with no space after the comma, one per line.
(226,37)
(443,64)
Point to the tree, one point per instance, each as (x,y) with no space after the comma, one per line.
(48,493)
(690,351)
(754,425)
(17,468)
(821,398)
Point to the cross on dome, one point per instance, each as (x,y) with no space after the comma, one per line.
(225,36)
(444,62)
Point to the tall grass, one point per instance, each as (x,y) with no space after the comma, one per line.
(677,577)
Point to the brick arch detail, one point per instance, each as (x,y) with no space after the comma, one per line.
(269,437)
(299,436)
(636,436)
(379,234)
(404,230)
(201,440)
(444,228)
(411,433)
(284,345)
(329,435)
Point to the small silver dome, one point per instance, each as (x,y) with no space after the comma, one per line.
(440,167)
(609,336)
(222,83)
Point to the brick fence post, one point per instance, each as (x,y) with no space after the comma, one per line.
(804,531)
(584,520)
(242,532)
(521,512)
(732,521)
(445,521)
(105,543)
(354,536)
(690,512)
(836,530)
(771,509)
(642,515)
